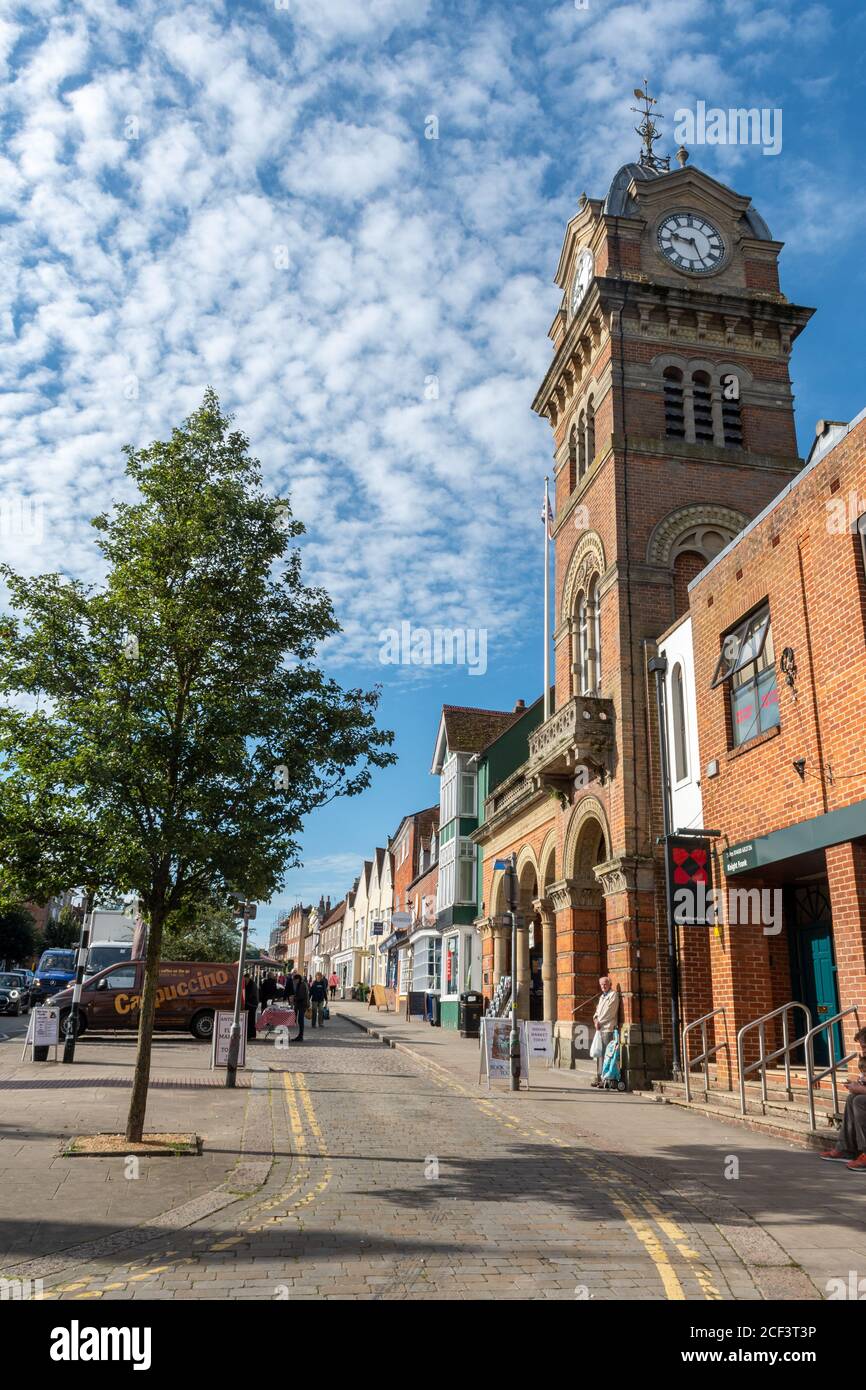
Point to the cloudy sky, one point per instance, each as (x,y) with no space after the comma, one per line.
(246,195)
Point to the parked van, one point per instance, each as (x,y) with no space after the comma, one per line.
(188,995)
(55,969)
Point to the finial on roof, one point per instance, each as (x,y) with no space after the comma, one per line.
(582,201)
(649,131)
(682,156)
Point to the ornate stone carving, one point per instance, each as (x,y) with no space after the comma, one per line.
(587,559)
(668,531)
(626,874)
(573,893)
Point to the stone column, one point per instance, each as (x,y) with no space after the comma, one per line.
(628,885)
(498,952)
(544,907)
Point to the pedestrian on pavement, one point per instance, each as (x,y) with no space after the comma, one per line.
(251,1003)
(301,997)
(318,999)
(606,1019)
(268,990)
(332,983)
(851,1147)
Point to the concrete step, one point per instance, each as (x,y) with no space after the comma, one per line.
(780,1118)
(777,1102)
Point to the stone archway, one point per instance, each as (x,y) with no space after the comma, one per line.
(581,933)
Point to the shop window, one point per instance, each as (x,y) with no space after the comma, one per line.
(451,984)
(675,417)
(678,713)
(747,664)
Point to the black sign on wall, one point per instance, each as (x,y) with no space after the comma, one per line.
(690,870)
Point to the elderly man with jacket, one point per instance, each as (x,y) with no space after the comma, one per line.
(606,1019)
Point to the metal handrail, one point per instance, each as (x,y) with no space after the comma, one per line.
(707,1052)
(830,1071)
(764,1060)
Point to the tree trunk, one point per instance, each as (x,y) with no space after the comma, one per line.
(141,1080)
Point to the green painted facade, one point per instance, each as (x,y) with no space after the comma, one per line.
(500,760)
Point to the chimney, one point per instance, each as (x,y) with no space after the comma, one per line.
(521,705)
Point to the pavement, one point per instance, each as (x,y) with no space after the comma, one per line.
(350,1169)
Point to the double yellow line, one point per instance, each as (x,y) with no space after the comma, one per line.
(299,1106)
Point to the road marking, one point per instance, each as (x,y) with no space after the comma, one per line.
(654,1248)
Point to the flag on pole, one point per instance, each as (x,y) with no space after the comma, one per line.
(548,517)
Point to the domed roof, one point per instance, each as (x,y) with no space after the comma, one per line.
(619,203)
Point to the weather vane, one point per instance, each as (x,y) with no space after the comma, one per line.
(648,130)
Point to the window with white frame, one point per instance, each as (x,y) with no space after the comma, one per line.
(466,872)
(678,717)
(448,789)
(467,793)
(446,881)
(451,963)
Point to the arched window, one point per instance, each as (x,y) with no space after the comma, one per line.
(572,459)
(675,416)
(702,396)
(590,432)
(583,669)
(678,716)
(581,445)
(731,422)
(588,655)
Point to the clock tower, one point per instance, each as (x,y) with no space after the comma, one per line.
(670,402)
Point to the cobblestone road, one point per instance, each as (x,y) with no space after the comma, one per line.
(393,1180)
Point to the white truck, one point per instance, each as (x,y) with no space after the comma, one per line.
(111,936)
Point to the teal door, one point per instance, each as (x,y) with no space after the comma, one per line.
(815,965)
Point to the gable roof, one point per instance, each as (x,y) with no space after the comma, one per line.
(466,730)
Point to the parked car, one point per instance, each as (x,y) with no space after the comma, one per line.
(55,969)
(15,995)
(187,997)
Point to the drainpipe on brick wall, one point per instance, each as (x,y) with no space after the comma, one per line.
(658,666)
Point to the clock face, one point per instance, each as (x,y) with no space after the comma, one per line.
(691,242)
(582,277)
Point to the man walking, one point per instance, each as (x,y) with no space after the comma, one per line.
(333,982)
(606,1019)
(301,996)
(318,998)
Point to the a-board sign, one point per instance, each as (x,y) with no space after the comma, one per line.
(43,1030)
(539,1039)
(222,1032)
(379,997)
(496,1050)
(46,1027)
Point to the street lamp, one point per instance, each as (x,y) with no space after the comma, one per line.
(246,910)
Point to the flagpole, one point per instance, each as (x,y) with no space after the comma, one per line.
(546,601)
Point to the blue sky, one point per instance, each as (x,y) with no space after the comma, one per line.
(243,195)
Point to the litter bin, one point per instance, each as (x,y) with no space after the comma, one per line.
(469,1011)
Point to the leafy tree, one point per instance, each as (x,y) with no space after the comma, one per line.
(64,932)
(205,931)
(18,941)
(178,728)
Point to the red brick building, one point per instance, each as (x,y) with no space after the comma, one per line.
(670,402)
(290,944)
(779,640)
